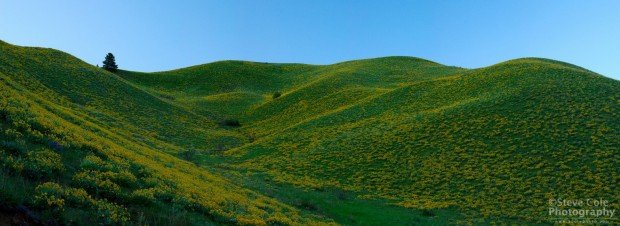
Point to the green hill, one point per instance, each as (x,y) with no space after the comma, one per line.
(419,142)
(499,141)
(238,84)
(84,146)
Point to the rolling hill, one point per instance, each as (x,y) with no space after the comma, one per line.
(421,142)
(83,146)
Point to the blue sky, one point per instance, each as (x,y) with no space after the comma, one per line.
(161,35)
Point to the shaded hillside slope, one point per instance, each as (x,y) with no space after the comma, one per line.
(75,147)
(63,79)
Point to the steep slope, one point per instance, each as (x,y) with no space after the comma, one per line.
(496,141)
(63,79)
(82,146)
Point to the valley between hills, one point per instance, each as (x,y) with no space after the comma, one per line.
(383,141)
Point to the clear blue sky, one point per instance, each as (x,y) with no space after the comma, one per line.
(160,35)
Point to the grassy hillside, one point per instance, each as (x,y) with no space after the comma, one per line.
(422,142)
(499,141)
(80,145)
(246,93)
(237,84)
(65,80)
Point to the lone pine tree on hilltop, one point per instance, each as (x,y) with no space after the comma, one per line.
(110,63)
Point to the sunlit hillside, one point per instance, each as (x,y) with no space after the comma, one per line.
(419,142)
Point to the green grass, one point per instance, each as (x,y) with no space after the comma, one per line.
(525,126)
(384,141)
(117,144)
(342,206)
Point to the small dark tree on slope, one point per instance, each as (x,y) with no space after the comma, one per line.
(110,63)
